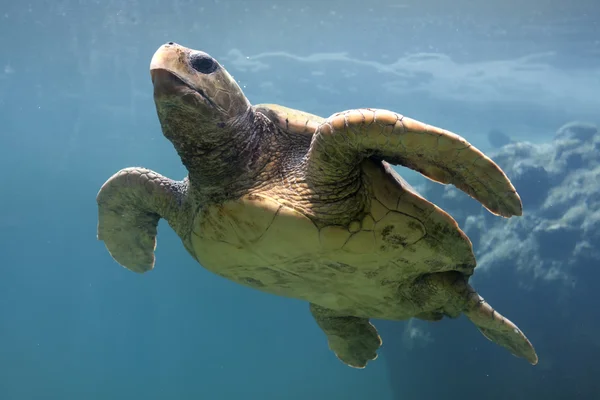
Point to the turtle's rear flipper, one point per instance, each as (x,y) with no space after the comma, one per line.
(130,204)
(497,328)
(354,340)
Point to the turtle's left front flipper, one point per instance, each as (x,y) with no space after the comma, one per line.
(130,204)
(346,138)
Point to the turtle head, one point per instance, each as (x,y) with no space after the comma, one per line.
(197,100)
(208,119)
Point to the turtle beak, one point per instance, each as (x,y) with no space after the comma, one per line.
(177,80)
(170,74)
(171,58)
(168,57)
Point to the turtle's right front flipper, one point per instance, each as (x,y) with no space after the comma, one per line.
(130,204)
(341,143)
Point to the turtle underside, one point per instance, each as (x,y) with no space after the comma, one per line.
(367,267)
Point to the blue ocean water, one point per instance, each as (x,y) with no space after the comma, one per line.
(76,106)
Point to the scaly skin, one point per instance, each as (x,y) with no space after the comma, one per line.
(354,340)
(346,138)
(130,204)
(296,205)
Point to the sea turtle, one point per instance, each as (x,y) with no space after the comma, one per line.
(301,206)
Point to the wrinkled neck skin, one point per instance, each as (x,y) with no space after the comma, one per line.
(224,159)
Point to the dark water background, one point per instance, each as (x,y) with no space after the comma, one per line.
(76,106)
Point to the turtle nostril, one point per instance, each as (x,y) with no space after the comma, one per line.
(170,43)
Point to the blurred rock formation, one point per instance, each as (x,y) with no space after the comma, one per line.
(559,184)
(498,139)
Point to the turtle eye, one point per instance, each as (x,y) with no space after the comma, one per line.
(203,63)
